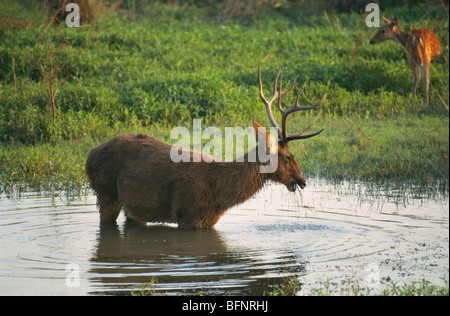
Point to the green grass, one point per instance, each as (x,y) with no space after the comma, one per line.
(371,150)
(352,288)
(170,64)
(292,287)
(146,289)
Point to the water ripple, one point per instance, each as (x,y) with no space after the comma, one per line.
(318,233)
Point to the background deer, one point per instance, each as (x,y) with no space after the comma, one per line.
(135,172)
(421,45)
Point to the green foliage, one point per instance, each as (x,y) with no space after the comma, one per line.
(46,167)
(422,288)
(290,287)
(166,65)
(146,289)
(351,287)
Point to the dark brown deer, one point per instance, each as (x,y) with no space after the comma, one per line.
(136,173)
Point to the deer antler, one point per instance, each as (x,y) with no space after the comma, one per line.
(272,98)
(282,132)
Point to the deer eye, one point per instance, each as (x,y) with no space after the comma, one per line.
(383,31)
(288,158)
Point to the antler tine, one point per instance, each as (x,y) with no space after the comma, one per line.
(298,135)
(291,87)
(282,111)
(282,132)
(269,103)
(275,92)
(296,108)
(298,94)
(303,136)
(286,91)
(279,96)
(311,107)
(305,129)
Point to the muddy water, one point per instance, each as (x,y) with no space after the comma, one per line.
(50,244)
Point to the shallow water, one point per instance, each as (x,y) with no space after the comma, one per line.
(50,244)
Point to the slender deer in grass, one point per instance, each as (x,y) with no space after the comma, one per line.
(421,45)
(136,173)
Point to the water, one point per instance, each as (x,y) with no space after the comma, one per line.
(52,245)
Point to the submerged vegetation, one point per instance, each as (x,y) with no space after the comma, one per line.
(153,67)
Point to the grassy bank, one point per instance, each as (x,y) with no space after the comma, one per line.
(64,90)
(370,150)
(292,287)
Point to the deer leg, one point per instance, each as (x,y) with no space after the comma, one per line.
(131,220)
(415,75)
(415,79)
(426,75)
(109,209)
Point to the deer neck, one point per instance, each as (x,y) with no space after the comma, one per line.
(235,182)
(400,36)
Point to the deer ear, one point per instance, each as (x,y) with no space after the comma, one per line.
(260,132)
(386,20)
(265,138)
(271,143)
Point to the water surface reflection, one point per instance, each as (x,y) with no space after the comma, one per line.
(183,262)
(326,231)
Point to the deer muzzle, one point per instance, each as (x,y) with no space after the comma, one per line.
(292,185)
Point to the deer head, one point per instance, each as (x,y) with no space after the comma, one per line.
(385,32)
(288,172)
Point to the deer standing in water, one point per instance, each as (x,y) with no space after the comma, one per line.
(421,45)
(136,173)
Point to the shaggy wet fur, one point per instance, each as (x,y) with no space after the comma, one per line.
(135,173)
